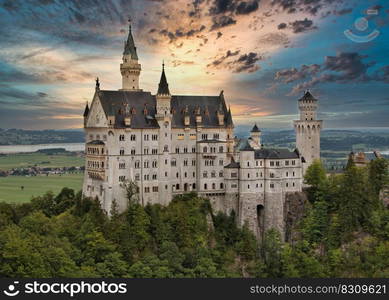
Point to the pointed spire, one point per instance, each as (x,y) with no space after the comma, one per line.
(86,111)
(129,46)
(163,88)
(255,128)
(97,84)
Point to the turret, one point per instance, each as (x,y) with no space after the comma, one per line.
(255,135)
(86,113)
(130,68)
(308,130)
(163,96)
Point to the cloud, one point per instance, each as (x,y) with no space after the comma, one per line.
(282,26)
(222,21)
(302,25)
(345,67)
(247,63)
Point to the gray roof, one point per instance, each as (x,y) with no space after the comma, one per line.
(129,46)
(307,96)
(275,154)
(255,128)
(233,165)
(207,106)
(245,146)
(141,106)
(163,88)
(95,142)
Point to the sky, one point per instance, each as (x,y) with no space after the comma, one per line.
(262,53)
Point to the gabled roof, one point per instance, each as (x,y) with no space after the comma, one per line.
(117,103)
(142,109)
(206,106)
(163,88)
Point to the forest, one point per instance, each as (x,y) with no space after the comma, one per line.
(344,233)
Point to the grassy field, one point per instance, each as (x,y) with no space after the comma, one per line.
(24,160)
(10,187)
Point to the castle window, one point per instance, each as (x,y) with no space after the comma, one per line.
(257,174)
(213,174)
(205,186)
(177,175)
(154,137)
(234,175)
(287,184)
(205,149)
(204,136)
(194,185)
(146,150)
(121,137)
(287,163)
(146,164)
(193,149)
(122,165)
(137,164)
(165,174)
(248,186)
(221,149)
(194,174)
(213,186)
(185,162)
(133,137)
(185,150)
(221,185)
(216,136)
(133,151)
(146,177)
(205,174)
(166,161)
(155,189)
(154,164)
(293,184)
(166,148)
(248,164)
(277,163)
(122,178)
(293,162)
(272,163)
(193,162)
(272,185)
(147,189)
(271,175)
(221,174)
(185,174)
(256,163)
(220,162)
(146,137)
(248,175)
(137,177)
(121,151)
(154,151)
(293,174)
(177,186)
(234,185)
(154,176)
(166,187)
(177,150)
(173,162)
(287,174)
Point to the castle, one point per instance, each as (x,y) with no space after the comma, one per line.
(173,144)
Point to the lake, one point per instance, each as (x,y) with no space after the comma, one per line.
(32,148)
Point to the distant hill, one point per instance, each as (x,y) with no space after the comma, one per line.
(33,137)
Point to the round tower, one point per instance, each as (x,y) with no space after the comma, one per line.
(308,130)
(130,68)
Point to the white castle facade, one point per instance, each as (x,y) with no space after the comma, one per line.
(174,144)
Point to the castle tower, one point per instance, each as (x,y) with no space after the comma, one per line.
(255,135)
(130,68)
(308,130)
(164,119)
